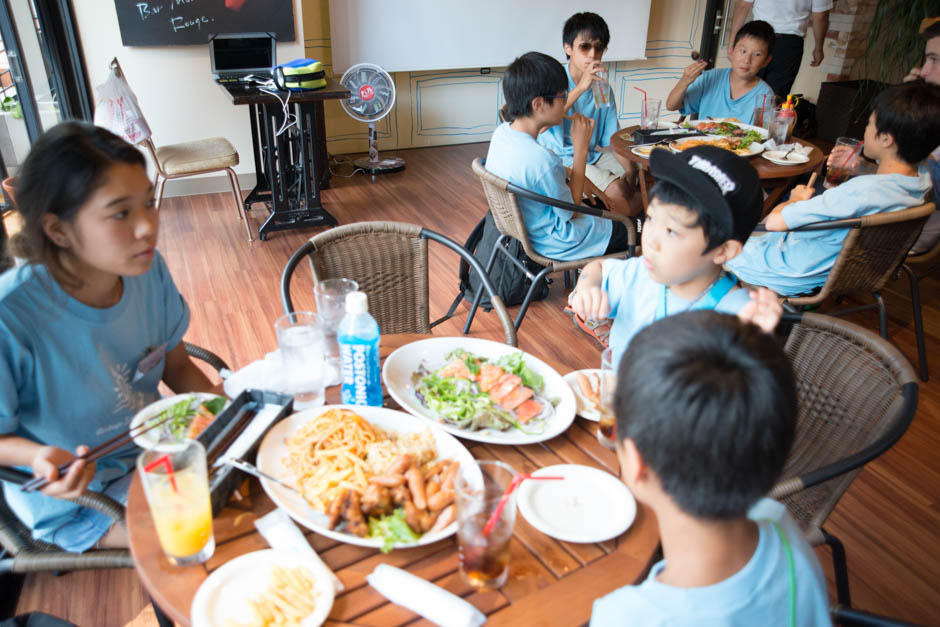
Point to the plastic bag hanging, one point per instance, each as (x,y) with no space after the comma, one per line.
(117,110)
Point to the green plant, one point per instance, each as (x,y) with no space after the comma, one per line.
(894,45)
(11,105)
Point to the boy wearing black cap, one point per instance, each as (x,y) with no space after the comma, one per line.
(705,204)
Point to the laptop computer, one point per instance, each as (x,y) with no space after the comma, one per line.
(234,56)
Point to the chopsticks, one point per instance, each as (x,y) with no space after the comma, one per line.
(98,452)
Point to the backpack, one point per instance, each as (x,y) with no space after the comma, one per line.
(508,281)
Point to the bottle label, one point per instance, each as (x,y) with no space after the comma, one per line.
(361,385)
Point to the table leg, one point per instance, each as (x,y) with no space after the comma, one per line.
(644,195)
(775,192)
(162,619)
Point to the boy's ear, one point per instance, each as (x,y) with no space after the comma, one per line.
(726,252)
(54,229)
(632,466)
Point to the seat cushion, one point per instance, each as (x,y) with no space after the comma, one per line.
(214,153)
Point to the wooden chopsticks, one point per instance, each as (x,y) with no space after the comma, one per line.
(98,452)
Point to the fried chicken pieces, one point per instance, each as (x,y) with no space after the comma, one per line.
(427,497)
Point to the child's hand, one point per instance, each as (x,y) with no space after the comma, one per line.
(581,130)
(587,77)
(76,479)
(913,75)
(589,302)
(590,189)
(838,156)
(802,192)
(764,310)
(692,71)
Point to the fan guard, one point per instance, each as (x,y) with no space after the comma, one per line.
(372,96)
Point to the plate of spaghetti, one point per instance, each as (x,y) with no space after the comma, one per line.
(370,476)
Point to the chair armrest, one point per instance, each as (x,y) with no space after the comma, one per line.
(12,475)
(821,225)
(205,355)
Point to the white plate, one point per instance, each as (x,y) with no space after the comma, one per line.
(776,156)
(764,133)
(151,438)
(432,353)
(223,597)
(590,505)
(644,151)
(273,450)
(586,408)
(754,149)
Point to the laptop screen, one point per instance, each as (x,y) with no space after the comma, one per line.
(242,54)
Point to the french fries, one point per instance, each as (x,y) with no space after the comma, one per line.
(287,600)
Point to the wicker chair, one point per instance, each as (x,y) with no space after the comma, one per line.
(30,555)
(857,397)
(504,205)
(871,255)
(389,260)
(917,267)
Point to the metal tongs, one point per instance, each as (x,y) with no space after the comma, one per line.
(251,469)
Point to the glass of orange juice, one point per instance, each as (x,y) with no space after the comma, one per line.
(177,488)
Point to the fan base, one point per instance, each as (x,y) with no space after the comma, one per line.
(385,165)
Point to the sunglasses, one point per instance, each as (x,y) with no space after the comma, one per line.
(586,47)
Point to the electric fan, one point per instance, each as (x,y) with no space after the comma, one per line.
(371,98)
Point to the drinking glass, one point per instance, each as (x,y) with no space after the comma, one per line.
(782,125)
(607,425)
(763,116)
(300,341)
(601,89)
(649,112)
(846,155)
(177,489)
(484,559)
(331,307)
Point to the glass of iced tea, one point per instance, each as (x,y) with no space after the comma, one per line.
(484,558)
(607,425)
(177,488)
(843,161)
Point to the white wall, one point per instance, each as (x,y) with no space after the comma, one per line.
(173,83)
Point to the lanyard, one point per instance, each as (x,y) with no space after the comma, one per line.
(790,568)
(708,299)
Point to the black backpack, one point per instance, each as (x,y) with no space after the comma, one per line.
(508,281)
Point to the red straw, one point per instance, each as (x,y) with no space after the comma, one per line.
(505,498)
(644,97)
(163,460)
(763,102)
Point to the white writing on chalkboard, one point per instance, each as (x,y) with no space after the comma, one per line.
(147,10)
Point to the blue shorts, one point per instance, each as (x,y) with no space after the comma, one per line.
(86,526)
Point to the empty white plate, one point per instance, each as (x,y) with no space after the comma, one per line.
(590,505)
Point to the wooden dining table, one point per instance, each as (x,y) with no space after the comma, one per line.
(775,179)
(551,582)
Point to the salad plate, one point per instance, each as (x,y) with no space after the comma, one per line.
(727,127)
(178,425)
(416,376)
(223,598)
(728,143)
(274,450)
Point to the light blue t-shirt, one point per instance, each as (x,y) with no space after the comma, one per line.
(558,138)
(797,262)
(710,96)
(636,300)
(758,594)
(67,371)
(555,233)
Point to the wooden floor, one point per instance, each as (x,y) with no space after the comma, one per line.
(889,520)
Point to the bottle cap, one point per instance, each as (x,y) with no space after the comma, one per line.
(357,303)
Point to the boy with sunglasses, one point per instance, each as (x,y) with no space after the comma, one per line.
(585,37)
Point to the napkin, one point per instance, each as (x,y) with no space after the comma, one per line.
(281,533)
(267,374)
(424,598)
(803,149)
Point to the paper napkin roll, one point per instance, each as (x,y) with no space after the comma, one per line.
(424,598)
(281,533)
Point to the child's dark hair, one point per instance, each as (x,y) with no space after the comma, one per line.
(710,404)
(911,114)
(530,76)
(63,168)
(758,29)
(670,194)
(591,25)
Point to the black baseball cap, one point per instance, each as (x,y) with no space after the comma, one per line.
(727,185)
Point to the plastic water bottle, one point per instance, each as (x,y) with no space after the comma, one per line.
(358,338)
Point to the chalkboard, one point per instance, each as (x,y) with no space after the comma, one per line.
(187,22)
